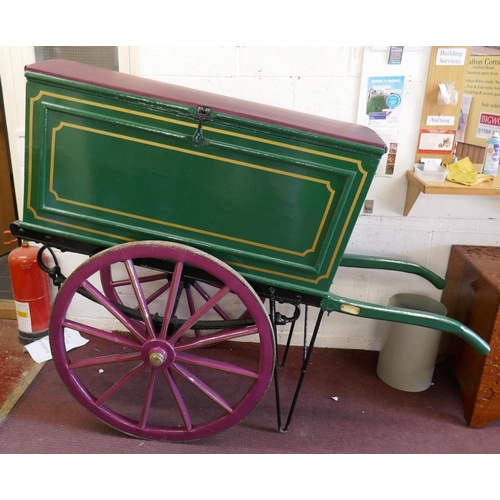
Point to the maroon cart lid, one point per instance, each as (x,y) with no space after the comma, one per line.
(114,80)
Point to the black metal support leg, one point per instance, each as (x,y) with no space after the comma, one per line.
(287,346)
(305,363)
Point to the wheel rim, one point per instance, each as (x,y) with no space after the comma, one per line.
(163,380)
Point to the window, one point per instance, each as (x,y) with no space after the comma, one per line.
(103,56)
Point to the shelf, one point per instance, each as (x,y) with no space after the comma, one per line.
(417,186)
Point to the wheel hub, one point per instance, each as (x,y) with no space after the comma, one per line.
(158,353)
(156,358)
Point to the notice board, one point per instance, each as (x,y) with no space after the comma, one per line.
(480,112)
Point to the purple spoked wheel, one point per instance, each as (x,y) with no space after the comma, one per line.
(157,375)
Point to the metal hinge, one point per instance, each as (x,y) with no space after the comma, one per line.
(203,114)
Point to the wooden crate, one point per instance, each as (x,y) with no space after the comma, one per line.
(472,296)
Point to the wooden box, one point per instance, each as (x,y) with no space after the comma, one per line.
(472,296)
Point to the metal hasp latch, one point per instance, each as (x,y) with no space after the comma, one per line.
(203,114)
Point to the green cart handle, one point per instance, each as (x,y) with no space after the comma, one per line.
(334,303)
(367,262)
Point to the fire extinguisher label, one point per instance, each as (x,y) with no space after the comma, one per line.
(23,316)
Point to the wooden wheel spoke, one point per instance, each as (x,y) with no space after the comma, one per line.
(120,383)
(172,297)
(115,284)
(103,360)
(193,379)
(158,293)
(192,309)
(198,314)
(141,300)
(111,308)
(96,332)
(205,296)
(142,279)
(178,399)
(146,405)
(215,338)
(217,365)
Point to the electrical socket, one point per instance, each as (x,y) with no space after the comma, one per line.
(368,208)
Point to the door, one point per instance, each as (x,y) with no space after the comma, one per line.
(7,204)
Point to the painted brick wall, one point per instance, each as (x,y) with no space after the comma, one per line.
(319,80)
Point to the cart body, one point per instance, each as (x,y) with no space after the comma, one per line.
(113,158)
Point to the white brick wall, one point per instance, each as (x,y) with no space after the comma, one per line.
(318,80)
(295,61)
(188,61)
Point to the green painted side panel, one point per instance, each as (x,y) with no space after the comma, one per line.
(276,204)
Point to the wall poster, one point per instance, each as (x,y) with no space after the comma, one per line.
(383,101)
(383,108)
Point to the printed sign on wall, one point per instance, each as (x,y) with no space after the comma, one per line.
(383,101)
(450,57)
(433,141)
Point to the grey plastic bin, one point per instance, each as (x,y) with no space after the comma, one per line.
(408,357)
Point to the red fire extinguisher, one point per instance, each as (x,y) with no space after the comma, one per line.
(31,292)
